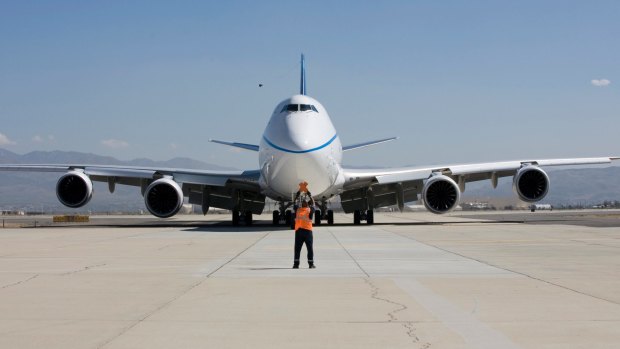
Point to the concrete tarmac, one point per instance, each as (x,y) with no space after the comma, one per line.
(413,280)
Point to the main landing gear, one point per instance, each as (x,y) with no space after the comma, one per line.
(323,214)
(368,216)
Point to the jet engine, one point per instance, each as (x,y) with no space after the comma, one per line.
(163,198)
(441,194)
(74,189)
(531,183)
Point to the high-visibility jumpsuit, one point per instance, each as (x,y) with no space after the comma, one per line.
(303,233)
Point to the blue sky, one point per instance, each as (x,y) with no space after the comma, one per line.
(457,81)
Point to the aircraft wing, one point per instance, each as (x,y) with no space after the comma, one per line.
(385,187)
(367,144)
(252,147)
(221,189)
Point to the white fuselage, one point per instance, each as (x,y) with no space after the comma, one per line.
(300,144)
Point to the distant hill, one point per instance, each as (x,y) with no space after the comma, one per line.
(72,157)
(36,191)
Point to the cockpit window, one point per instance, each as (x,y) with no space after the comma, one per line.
(298,107)
(290,107)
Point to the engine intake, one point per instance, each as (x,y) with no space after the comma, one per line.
(163,198)
(74,189)
(531,183)
(441,194)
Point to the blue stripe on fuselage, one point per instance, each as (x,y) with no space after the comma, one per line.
(300,151)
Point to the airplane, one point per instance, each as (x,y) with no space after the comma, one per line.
(300,144)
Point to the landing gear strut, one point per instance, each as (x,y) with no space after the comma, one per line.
(368,216)
(237,217)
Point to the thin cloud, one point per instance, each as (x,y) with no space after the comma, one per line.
(114,143)
(40,139)
(4,140)
(600,82)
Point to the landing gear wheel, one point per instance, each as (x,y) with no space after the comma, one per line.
(248,218)
(293,214)
(288,217)
(317,217)
(276,218)
(357,217)
(330,217)
(370,217)
(235,218)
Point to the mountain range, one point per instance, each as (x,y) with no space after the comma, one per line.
(36,191)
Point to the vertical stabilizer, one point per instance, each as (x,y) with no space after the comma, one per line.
(302,83)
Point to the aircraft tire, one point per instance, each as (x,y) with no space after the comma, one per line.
(247,217)
(292,223)
(235,217)
(330,217)
(276,218)
(317,217)
(370,217)
(357,217)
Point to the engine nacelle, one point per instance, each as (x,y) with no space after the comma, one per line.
(163,198)
(531,183)
(440,194)
(74,189)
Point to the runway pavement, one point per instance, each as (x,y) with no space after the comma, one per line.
(413,280)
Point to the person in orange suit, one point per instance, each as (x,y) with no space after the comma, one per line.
(303,228)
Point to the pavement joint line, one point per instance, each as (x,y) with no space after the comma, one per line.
(106,240)
(192,242)
(508,270)
(86,268)
(473,331)
(189,289)
(348,253)
(20,282)
(592,243)
(238,254)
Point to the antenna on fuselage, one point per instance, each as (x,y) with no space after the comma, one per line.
(302,83)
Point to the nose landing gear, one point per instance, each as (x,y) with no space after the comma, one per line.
(246,217)
(283,216)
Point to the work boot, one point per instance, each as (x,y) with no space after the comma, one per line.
(311,265)
(295,265)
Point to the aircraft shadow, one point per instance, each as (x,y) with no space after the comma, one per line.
(263,226)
